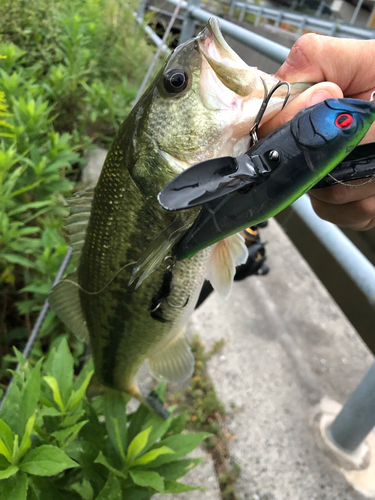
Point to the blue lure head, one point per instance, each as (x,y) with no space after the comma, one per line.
(335,126)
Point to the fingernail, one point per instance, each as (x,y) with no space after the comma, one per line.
(320,96)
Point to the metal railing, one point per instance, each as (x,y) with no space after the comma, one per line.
(357,417)
(301,22)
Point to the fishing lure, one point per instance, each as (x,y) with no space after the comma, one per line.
(236,193)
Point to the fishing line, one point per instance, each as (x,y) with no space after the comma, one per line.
(105,286)
(158,52)
(352,185)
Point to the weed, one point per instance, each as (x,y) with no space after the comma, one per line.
(60,445)
(69,71)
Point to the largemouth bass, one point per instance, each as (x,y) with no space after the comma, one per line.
(127,296)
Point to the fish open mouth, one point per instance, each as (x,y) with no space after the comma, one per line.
(232,71)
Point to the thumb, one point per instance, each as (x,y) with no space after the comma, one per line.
(315,94)
(346,62)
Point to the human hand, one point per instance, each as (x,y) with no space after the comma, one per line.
(345,68)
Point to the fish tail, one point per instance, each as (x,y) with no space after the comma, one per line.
(152,400)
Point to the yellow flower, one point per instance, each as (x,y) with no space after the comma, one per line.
(3,114)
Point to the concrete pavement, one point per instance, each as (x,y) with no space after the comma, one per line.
(289,345)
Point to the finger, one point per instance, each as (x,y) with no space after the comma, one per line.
(313,95)
(358,215)
(316,58)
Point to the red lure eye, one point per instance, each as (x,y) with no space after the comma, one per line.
(344,120)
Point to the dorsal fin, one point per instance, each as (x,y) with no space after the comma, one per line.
(78,218)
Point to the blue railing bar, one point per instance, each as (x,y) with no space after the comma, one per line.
(262,45)
(356,265)
(357,417)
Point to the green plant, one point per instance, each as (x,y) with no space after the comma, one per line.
(54,443)
(35,162)
(69,71)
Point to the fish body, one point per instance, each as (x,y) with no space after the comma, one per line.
(127,296)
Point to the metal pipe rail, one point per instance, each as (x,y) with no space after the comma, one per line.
(310,23)
(262,45)
(356,265)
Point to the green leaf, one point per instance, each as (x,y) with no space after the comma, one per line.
(30,396)
(174,470)
(6,435)
(159,426)
(115,420)
(12,407)
(15,488)
(178,424)
(44,488)
(77,396)
(176,487)
(136,493)
(4,451)
(152,455)
(72,419)
(161,390)
(137,445)
(111,489)
(148,479)
(17,259)
(46,460)
(65,436)
(137,420)
(101,459)
(10,471)
(182,444)
(60,366)
(16,448)
(52,382)
(26,441)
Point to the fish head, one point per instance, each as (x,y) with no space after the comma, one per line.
(205,100)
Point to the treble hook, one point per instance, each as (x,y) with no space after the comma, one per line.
(372,97)
(178,307)
(263,107)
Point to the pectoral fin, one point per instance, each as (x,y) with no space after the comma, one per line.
(64,300)
(174,363)
(226,256)
(154,255)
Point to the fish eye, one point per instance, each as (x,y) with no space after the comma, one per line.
(344,120)
(175,80)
